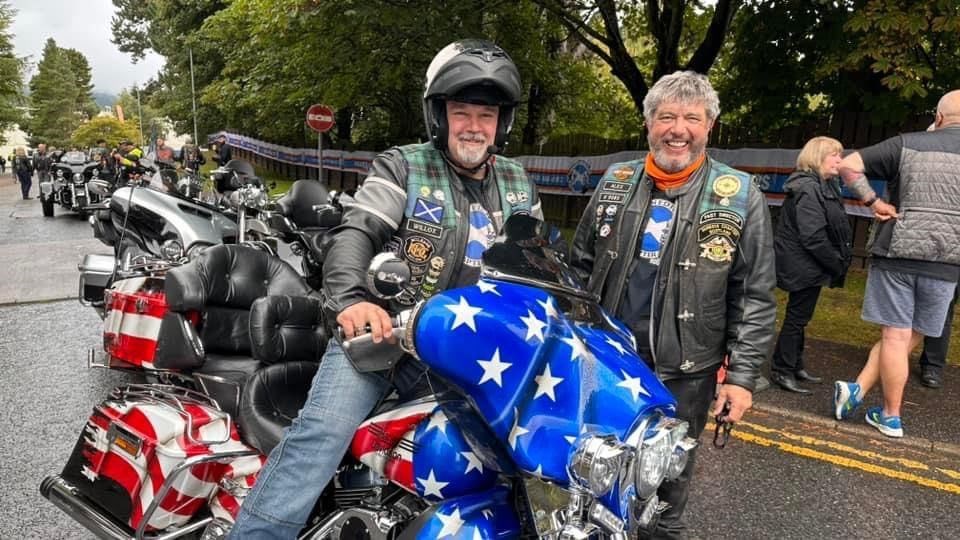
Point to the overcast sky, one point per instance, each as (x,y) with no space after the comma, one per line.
(84,26)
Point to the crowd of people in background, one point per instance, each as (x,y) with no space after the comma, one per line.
(116,163)
(914,256)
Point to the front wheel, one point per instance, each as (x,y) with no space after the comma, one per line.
(47,205)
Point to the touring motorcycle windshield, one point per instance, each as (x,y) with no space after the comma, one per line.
(541,361)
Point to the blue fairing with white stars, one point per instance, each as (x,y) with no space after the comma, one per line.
(481,516)
(445,463)
(539,376)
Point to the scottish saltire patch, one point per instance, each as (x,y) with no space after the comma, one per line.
(428,211)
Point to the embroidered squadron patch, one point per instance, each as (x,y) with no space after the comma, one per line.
(624,173)
(717,249)
(724,223)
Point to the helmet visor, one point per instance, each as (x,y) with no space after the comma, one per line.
(481,94)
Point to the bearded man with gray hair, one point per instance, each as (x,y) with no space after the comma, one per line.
(680,248)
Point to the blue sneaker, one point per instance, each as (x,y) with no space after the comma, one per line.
(888,425)
(846,399)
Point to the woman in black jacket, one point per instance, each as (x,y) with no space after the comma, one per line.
(812,245)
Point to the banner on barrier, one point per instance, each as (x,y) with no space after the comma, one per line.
(575,175)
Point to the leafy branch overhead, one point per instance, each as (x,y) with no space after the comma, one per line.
(613,31)
(586,64)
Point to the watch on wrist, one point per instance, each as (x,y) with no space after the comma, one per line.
(870,202)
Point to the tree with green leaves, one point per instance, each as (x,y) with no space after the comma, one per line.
(85,105)
(171,29)
(260,64)
(11,69)
(108,128)
(905,52)
(59,96)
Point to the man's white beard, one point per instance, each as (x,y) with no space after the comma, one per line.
(670,164)
(468,156)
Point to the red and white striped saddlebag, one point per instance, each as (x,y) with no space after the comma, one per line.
(135,308)
(133,450)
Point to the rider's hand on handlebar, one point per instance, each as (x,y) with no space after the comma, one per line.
(364,317)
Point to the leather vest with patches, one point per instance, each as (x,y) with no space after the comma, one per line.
(719,219)
(436,224)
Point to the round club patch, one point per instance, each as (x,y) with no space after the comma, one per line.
(418,249)
(726,185)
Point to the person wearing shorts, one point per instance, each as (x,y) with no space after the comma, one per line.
(915,255)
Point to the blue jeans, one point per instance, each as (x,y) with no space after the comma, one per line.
(307,457)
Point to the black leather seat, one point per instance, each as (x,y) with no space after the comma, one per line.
(222,284)
(288,334)
(307,204)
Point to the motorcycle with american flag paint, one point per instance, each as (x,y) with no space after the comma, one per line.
(554,427)
(540,421)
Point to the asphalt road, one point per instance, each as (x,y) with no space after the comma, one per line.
(778,477)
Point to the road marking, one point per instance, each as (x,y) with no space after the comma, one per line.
(806,439)
(842,461)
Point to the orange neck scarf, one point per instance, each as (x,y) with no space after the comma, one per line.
(665,180)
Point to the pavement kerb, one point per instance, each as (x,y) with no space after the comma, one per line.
(948,449)
(16,302)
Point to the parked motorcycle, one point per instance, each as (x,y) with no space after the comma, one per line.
(166,216)
(550,426)
(67,184)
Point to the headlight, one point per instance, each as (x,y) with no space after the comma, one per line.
(77,177)
(596,463)
(660,455)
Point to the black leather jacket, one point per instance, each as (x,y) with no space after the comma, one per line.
(374,217)
(813,235)
(720,308)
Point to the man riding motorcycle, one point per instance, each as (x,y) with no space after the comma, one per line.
(438,205)
(127,157)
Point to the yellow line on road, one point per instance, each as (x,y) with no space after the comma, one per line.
(848,462)
(952,474)
(806,439)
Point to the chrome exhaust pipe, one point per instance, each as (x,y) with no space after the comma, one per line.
(68,498)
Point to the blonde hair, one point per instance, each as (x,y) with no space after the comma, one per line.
(815,151)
